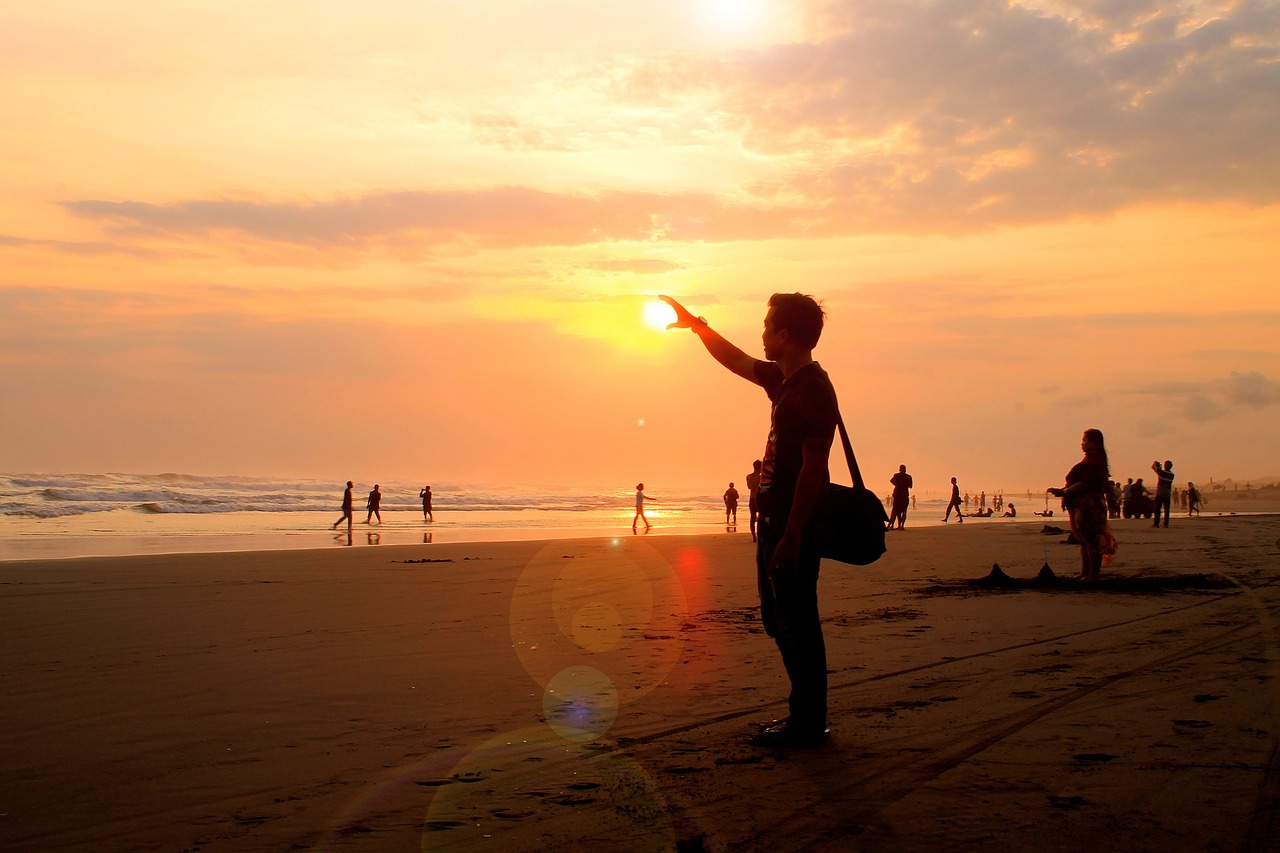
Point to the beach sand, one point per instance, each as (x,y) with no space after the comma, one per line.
(599,694)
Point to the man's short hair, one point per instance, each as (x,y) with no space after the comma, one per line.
(800,315)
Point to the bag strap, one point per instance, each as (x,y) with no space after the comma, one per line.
(848,453)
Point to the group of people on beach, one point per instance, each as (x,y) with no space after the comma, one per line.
(1133,499)
(374,505)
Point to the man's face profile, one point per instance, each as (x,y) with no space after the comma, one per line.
(771,338)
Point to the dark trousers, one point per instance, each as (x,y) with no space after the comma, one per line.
(1162,501)
(789,610)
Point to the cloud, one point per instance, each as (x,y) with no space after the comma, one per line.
(637,266)
(1200,408)
(510,134)
(905,116)
(1210,400)
(959,116)
(69,247)
(503,217)
(1253,389)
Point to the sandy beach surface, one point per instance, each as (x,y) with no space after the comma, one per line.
(600,693)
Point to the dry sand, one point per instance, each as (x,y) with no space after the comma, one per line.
(598,694)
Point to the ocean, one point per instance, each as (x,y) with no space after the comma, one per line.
(74,515)
(81,515)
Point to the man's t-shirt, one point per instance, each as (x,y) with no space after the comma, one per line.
(1164,488)
(804,407)
(901,485)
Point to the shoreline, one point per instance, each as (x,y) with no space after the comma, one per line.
(566,694)
(85,536)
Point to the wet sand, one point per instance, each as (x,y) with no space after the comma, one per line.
(599,694)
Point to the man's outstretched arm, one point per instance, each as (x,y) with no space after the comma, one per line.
(721,350)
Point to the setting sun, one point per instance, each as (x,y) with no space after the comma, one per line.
(733,14)
(658,315)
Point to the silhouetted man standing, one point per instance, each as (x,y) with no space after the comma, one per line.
(1164,490)
(731,504)
(793,473)
(901,497)
(753,493)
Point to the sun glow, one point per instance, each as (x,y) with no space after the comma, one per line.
(733,15)
(658,315)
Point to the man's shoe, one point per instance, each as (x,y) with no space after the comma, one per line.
(786,736)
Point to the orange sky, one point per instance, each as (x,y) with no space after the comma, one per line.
(416,240)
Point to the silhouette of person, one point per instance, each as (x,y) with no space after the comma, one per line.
(901,493)
(731,504)
(793,474)
(1011,512)
(641,497)
(753,489)
(1164,491)
(348,505)
(954,503)
(1085,498)
(1137,490)
(425,494)
(1193,499)
(375,502)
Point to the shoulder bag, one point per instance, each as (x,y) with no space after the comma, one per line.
(849,522)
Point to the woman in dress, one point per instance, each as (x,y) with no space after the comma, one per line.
(1084,497)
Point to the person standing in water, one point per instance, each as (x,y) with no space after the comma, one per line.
(425,494)
(348,506)
(374,505)
(731,504)
(641,497)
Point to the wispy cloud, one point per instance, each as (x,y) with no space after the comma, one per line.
(504,217)
(637,266)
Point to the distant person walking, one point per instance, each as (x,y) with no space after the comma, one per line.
(1084,496)
(425,494)
(375,504)
(901,497)
(348,506)
(731,504)
(641,497)
(753,490)
(1164,491)
(1193,499)
(954,503)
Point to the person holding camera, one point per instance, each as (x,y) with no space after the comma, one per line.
(1164,490)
